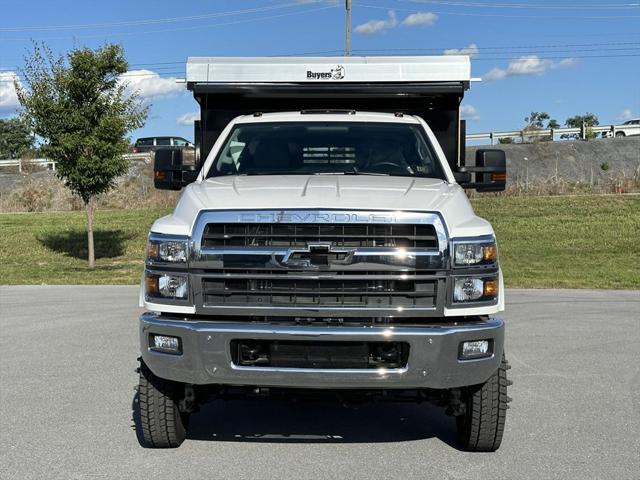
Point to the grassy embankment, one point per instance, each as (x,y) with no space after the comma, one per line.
(545,242)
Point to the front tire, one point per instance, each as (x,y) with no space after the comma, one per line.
(480,429)
(619,134)
(163,426)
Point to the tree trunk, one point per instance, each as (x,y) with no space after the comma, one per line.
(91,252)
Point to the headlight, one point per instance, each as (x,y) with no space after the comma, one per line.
(166,286)
(167,249)
(472,289)
(477,252)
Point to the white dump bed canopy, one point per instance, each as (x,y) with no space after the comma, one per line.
(446,68)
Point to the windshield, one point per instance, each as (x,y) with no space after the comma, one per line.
(347,148)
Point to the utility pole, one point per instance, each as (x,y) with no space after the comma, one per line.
(347,50)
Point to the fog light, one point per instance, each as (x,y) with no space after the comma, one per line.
(476,349)
(165,343)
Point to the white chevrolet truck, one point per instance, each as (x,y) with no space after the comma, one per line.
(323,243)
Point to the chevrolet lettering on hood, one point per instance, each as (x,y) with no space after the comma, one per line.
(315,217)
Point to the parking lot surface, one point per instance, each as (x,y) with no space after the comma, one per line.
(67,360)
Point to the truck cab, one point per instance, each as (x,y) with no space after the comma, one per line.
(325,249)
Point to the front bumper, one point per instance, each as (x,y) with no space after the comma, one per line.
(433,357)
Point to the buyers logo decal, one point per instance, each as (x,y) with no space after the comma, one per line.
(336,73)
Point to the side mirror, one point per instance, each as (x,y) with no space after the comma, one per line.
(169,170)
(490,172)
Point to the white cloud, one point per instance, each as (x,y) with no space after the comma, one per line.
(374,27)
(149,84)
(188,118)
(8,97)
(472,50)
(528,65)
(420,19)
(469,112)
(627,114)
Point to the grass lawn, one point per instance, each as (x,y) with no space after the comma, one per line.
(51,248)
(545,242)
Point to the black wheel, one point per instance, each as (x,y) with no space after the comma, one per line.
(481,427)
(619,134)
(163,426)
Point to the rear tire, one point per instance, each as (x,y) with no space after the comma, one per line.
(480,429)
(163,426)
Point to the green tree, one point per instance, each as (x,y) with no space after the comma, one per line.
(536,121)
(15,138)
(80,109)
(553,124)
(586,121)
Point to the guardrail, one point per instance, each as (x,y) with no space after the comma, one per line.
(50,164)
(144,156)
(20,163)
(551,133)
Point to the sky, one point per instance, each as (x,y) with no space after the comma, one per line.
(565,57)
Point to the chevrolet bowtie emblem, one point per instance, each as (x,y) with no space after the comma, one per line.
(315,256)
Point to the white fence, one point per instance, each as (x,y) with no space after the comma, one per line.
(551,133)
(51,165)
(20,163)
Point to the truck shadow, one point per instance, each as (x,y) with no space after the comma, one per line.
(270,420)
(108,243)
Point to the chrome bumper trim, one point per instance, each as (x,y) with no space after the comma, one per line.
(433,356)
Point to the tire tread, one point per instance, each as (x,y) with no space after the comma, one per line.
(162,424)
(482,428)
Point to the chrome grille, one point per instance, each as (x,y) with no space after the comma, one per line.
(334,291)
(220,235)
(325,264)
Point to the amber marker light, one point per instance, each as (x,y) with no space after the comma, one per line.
(490,253)
(153,250)
(490,288)
(151,284)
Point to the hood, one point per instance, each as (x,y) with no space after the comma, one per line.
(348,192)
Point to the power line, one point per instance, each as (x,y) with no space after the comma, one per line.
(564,57)
(194,27)
(529,6)
(568,48)
(131,23)
(434,49)
(470,14)
(170,75)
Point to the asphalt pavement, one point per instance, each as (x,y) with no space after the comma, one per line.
(67,360)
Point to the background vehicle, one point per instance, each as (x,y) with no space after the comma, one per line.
(325,249)
(628,128)
(151,144)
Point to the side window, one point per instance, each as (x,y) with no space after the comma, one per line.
(163,141)
(179,142)
(228,162)
(145,142)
